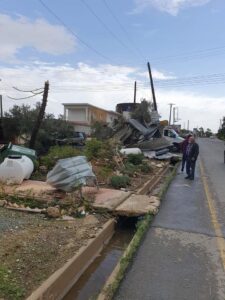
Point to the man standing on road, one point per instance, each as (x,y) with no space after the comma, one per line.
(184,150)
(191,157)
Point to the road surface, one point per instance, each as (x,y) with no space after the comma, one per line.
(183,253)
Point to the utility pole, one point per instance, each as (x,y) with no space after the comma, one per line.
(40,116)
(135,91)
(174,115)
(1,107)
(171,105)
(152,87)
(188,125)
(2,138)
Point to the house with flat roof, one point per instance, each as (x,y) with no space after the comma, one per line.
(83,115)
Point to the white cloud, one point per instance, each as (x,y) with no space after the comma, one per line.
(198,108)
(170,6)
(20,32)
(105,86)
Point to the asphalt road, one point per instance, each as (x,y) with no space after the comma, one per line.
(183,253)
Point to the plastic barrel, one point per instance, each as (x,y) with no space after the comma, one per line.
(127,151)
(15,169)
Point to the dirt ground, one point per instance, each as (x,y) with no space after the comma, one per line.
(33,247)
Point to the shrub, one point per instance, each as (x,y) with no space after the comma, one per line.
(135,159)
(101,130)
(120,181)
(58,152)
(145,168)
(129,169)
(104,172)
(93,148)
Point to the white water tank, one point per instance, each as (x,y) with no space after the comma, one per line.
(15,169)
(127,151)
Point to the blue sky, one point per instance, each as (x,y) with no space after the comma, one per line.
(180,38)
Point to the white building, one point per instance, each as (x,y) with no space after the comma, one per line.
(82,115)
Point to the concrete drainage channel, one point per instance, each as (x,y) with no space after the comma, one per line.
(91,282)
(84,275)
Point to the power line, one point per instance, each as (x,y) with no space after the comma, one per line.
(123,29)
(72,32)
(23,98)
(204,53)
(197,54)
(118,86)
(106,26)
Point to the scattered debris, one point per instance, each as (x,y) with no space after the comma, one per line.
(166,156)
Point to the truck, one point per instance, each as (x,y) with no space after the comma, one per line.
(78,139)
(172,136)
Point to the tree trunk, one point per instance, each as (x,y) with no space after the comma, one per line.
(40,116)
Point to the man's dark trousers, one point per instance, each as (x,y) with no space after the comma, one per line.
(190,168)
(184,158)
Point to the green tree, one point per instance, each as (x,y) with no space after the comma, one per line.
(20,120)
(208,132)
(142,113)
(221,131)
(101,130)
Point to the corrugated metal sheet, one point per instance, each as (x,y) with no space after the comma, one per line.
(70,173)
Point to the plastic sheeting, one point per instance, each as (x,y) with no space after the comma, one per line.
(70,173)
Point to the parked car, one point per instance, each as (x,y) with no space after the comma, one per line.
(78,138)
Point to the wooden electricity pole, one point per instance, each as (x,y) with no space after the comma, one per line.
(135,91)
(152,86)
(2,140)
(174,115)
(40,116)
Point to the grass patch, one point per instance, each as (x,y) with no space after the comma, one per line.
(9,288)
(142,228)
